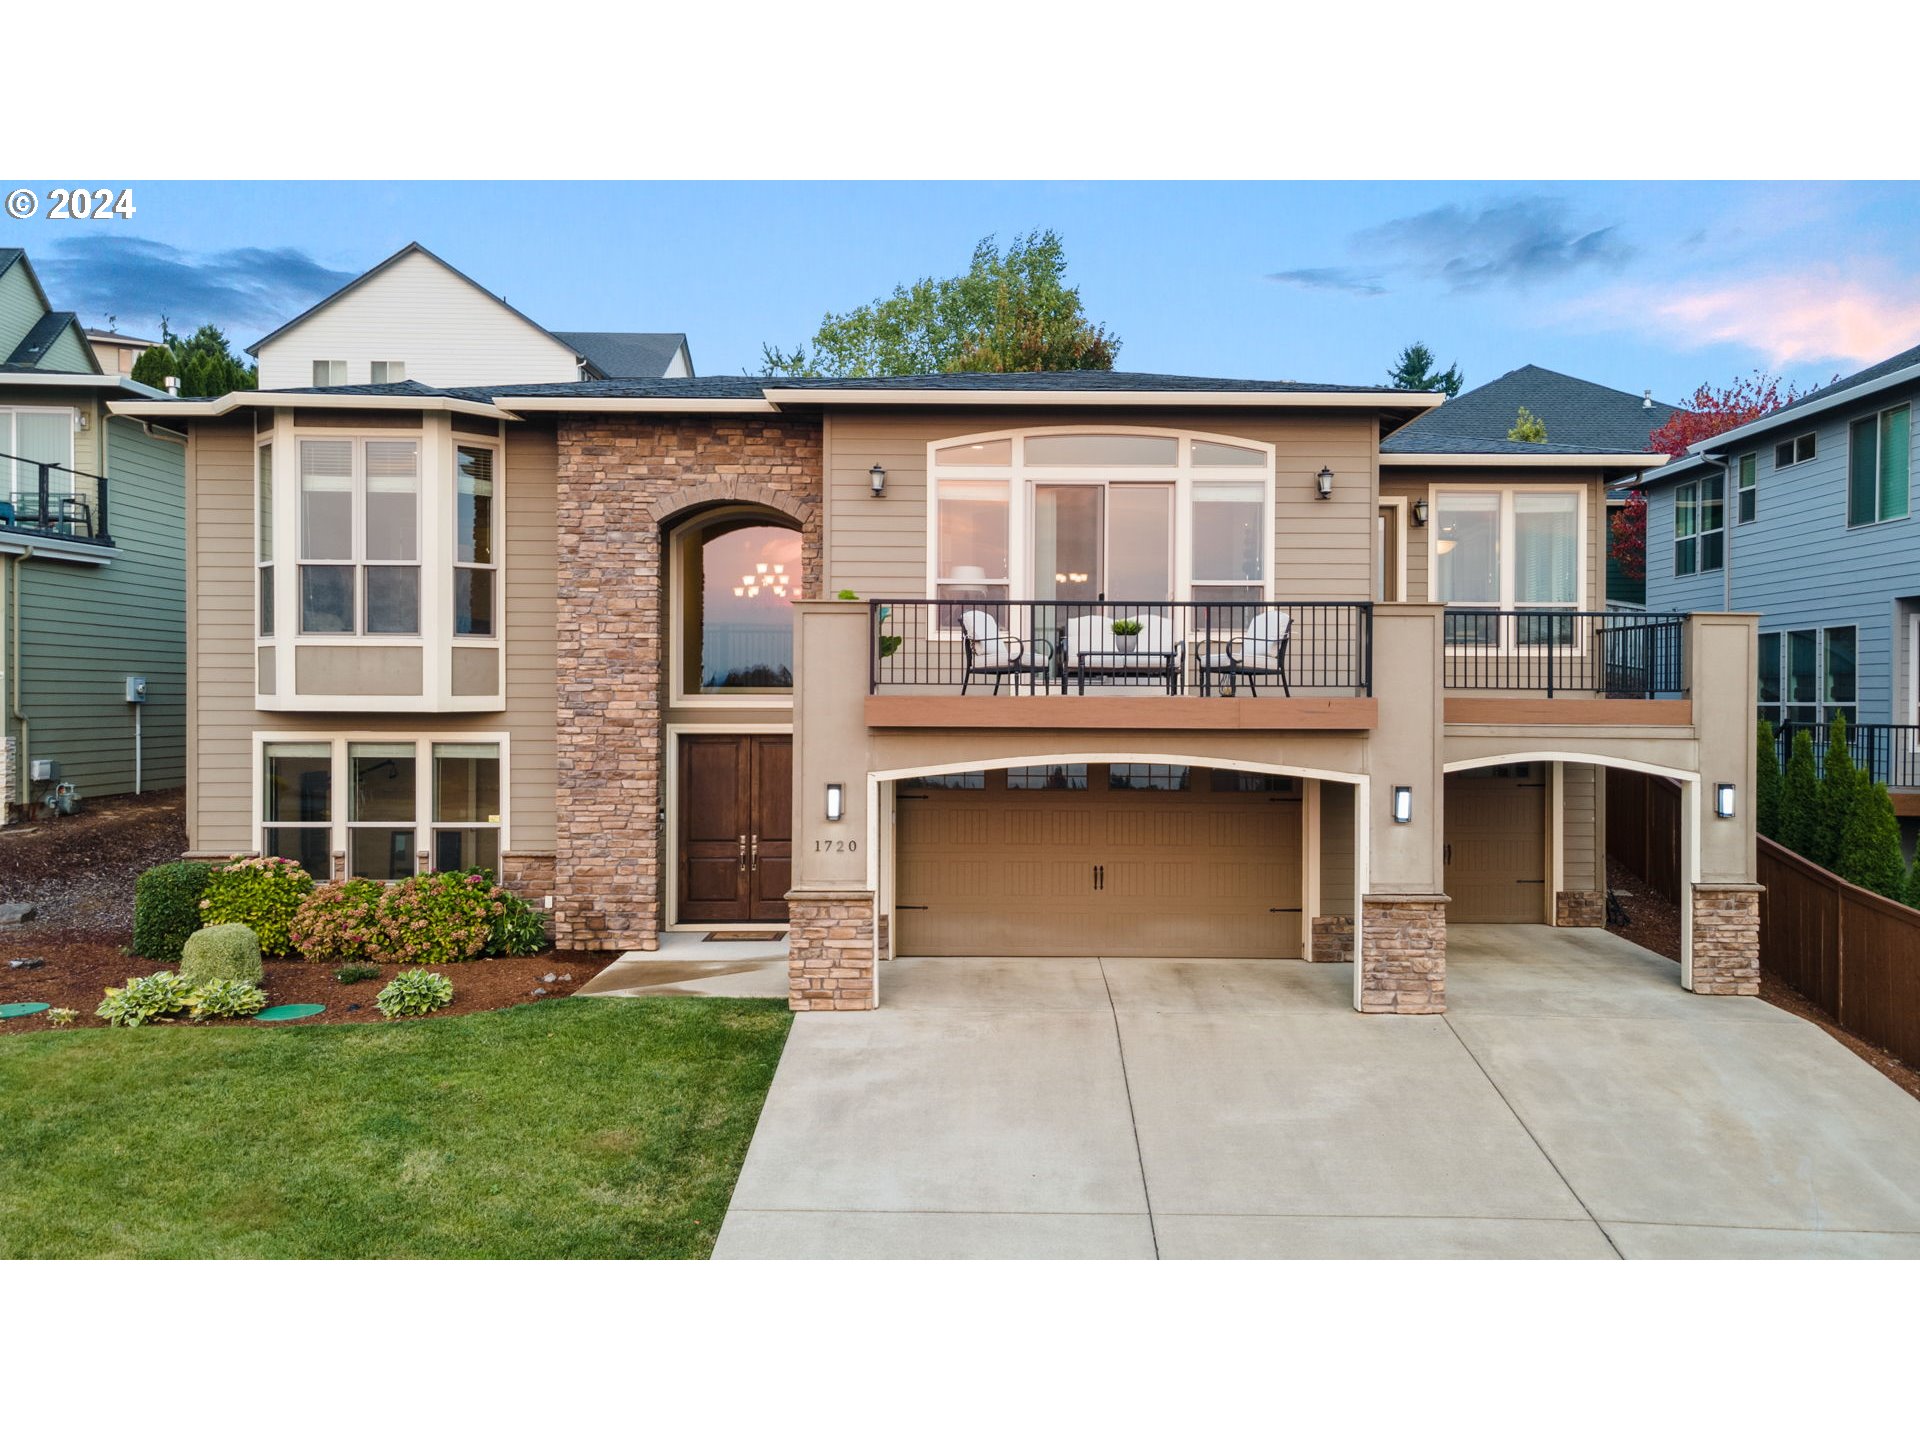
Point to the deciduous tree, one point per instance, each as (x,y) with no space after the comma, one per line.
(1715,409)
(1627,537)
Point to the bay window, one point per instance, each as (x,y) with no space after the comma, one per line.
(360,537)
(475,565)
(263,538)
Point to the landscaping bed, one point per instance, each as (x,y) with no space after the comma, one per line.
(582,1129)
(79,873)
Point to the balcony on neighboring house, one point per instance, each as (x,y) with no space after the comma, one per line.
(1889,754)
(53,502)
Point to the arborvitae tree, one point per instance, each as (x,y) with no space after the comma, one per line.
(1910,895)
(1839,790)
(1767,782)
(1800,798)
(1870,843)
(1528,428)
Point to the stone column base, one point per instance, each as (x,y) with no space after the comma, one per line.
(1580,907)
(1332,939)
(1403,955)
(1726,939)
(6,778)
(830,948)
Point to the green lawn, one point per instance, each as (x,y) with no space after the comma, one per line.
(571,1128)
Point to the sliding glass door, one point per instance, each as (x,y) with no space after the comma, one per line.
(1103,540)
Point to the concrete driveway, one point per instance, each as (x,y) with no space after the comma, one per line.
(1574,1103)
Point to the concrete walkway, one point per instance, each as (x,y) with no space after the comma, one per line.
(1574,1103)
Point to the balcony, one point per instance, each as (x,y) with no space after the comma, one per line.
(1551,666)
(54,502)
(1889,754)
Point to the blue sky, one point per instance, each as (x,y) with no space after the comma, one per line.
(1657,285)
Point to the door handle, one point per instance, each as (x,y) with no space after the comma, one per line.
(1446,853)
(743,852)
(755,852)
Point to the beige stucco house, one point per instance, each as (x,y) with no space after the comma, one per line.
(1008,664)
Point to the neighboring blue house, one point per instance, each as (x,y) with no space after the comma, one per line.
(1807,516)
(1575,412)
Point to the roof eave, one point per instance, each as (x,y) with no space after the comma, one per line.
(217,406)
(1450,459)
(1226,399)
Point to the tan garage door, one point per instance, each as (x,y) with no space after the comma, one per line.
(1105,868)
(1496,845)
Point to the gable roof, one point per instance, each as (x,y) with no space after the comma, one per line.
(412,248)
(34,346)
(1577,413)
(627,354)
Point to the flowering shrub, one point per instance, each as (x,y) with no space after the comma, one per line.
(340,924)
(263,893)
(225,999)
(144,998)
(414,992)
(438,919)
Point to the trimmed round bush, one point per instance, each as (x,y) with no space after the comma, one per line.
(339,924)
(414,992)
(166,908)
(222,952)
(262,893)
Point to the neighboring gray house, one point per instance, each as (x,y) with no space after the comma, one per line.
(92,563)
(1578,414)
(1806,516)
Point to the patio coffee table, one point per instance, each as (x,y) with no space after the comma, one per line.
(1158,665)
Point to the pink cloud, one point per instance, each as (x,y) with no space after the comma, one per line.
(1791,318)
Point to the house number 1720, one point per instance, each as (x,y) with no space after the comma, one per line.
(842,846)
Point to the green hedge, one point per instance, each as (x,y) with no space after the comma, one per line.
(166,908)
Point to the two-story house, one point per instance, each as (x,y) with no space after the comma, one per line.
(92,566)
(1132,664)
(1806,517)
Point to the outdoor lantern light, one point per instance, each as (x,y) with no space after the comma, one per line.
(1325,481)
(878,474)
(1420,514)
(836,801)
(1403,804)
(1723,800)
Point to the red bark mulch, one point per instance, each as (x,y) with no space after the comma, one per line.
(79,873)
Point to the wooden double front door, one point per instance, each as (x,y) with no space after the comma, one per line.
(736,828)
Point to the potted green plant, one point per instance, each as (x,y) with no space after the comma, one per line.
(889,644)
(1126,636)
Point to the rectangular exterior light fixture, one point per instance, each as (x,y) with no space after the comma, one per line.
(836,801)
(1324,480)
(1403,804)
(1723,800)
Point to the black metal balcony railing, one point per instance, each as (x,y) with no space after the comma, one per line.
(53,500)
(1607,654)
(1888,753)
(1274,647)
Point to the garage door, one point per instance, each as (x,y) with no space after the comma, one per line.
(1099,860)
(1496,845)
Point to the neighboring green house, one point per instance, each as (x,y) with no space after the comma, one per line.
(92,566)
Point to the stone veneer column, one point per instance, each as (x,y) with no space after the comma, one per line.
(6,779)
(1726,939)
(1403,954)
(621,481)
(830,950)
(1332,941)
(1580,907)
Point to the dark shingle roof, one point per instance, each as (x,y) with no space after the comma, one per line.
(40,339)
(9,254)
(623,354)
(1465,445)
(1577,413)
(1065,382)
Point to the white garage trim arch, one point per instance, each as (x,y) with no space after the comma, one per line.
(880,782)
(1689,781)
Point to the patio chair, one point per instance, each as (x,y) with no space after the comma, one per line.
(992,652)
(1261,649)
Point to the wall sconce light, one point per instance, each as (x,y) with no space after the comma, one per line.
(836,801)
(1403,804)
(1325,481)
(1420,514)
(878,474)
(1723,800)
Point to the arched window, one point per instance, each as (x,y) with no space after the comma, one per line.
(739,574)
(1081,514)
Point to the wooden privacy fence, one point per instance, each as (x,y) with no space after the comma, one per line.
(1851,952)
(1643,828)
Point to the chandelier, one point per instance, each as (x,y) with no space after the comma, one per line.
(765,577)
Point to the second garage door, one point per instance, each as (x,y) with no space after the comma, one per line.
(1496,845)
(1099,860)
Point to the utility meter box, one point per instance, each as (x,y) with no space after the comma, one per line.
(43,770)
(136,689)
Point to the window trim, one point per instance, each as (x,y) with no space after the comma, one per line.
(388,379)
(8,444)
(1583,547)
(1776,712)
(1878,420)
(454,562)
(1023,480)
(1792,447)
(359,564)
(677,539)
(1692,489)
(266,528)
(337,825)
(335,368)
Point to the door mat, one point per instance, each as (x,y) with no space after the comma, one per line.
(730,936)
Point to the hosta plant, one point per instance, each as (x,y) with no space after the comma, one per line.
(414,992)
(225,999)
(145,998)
